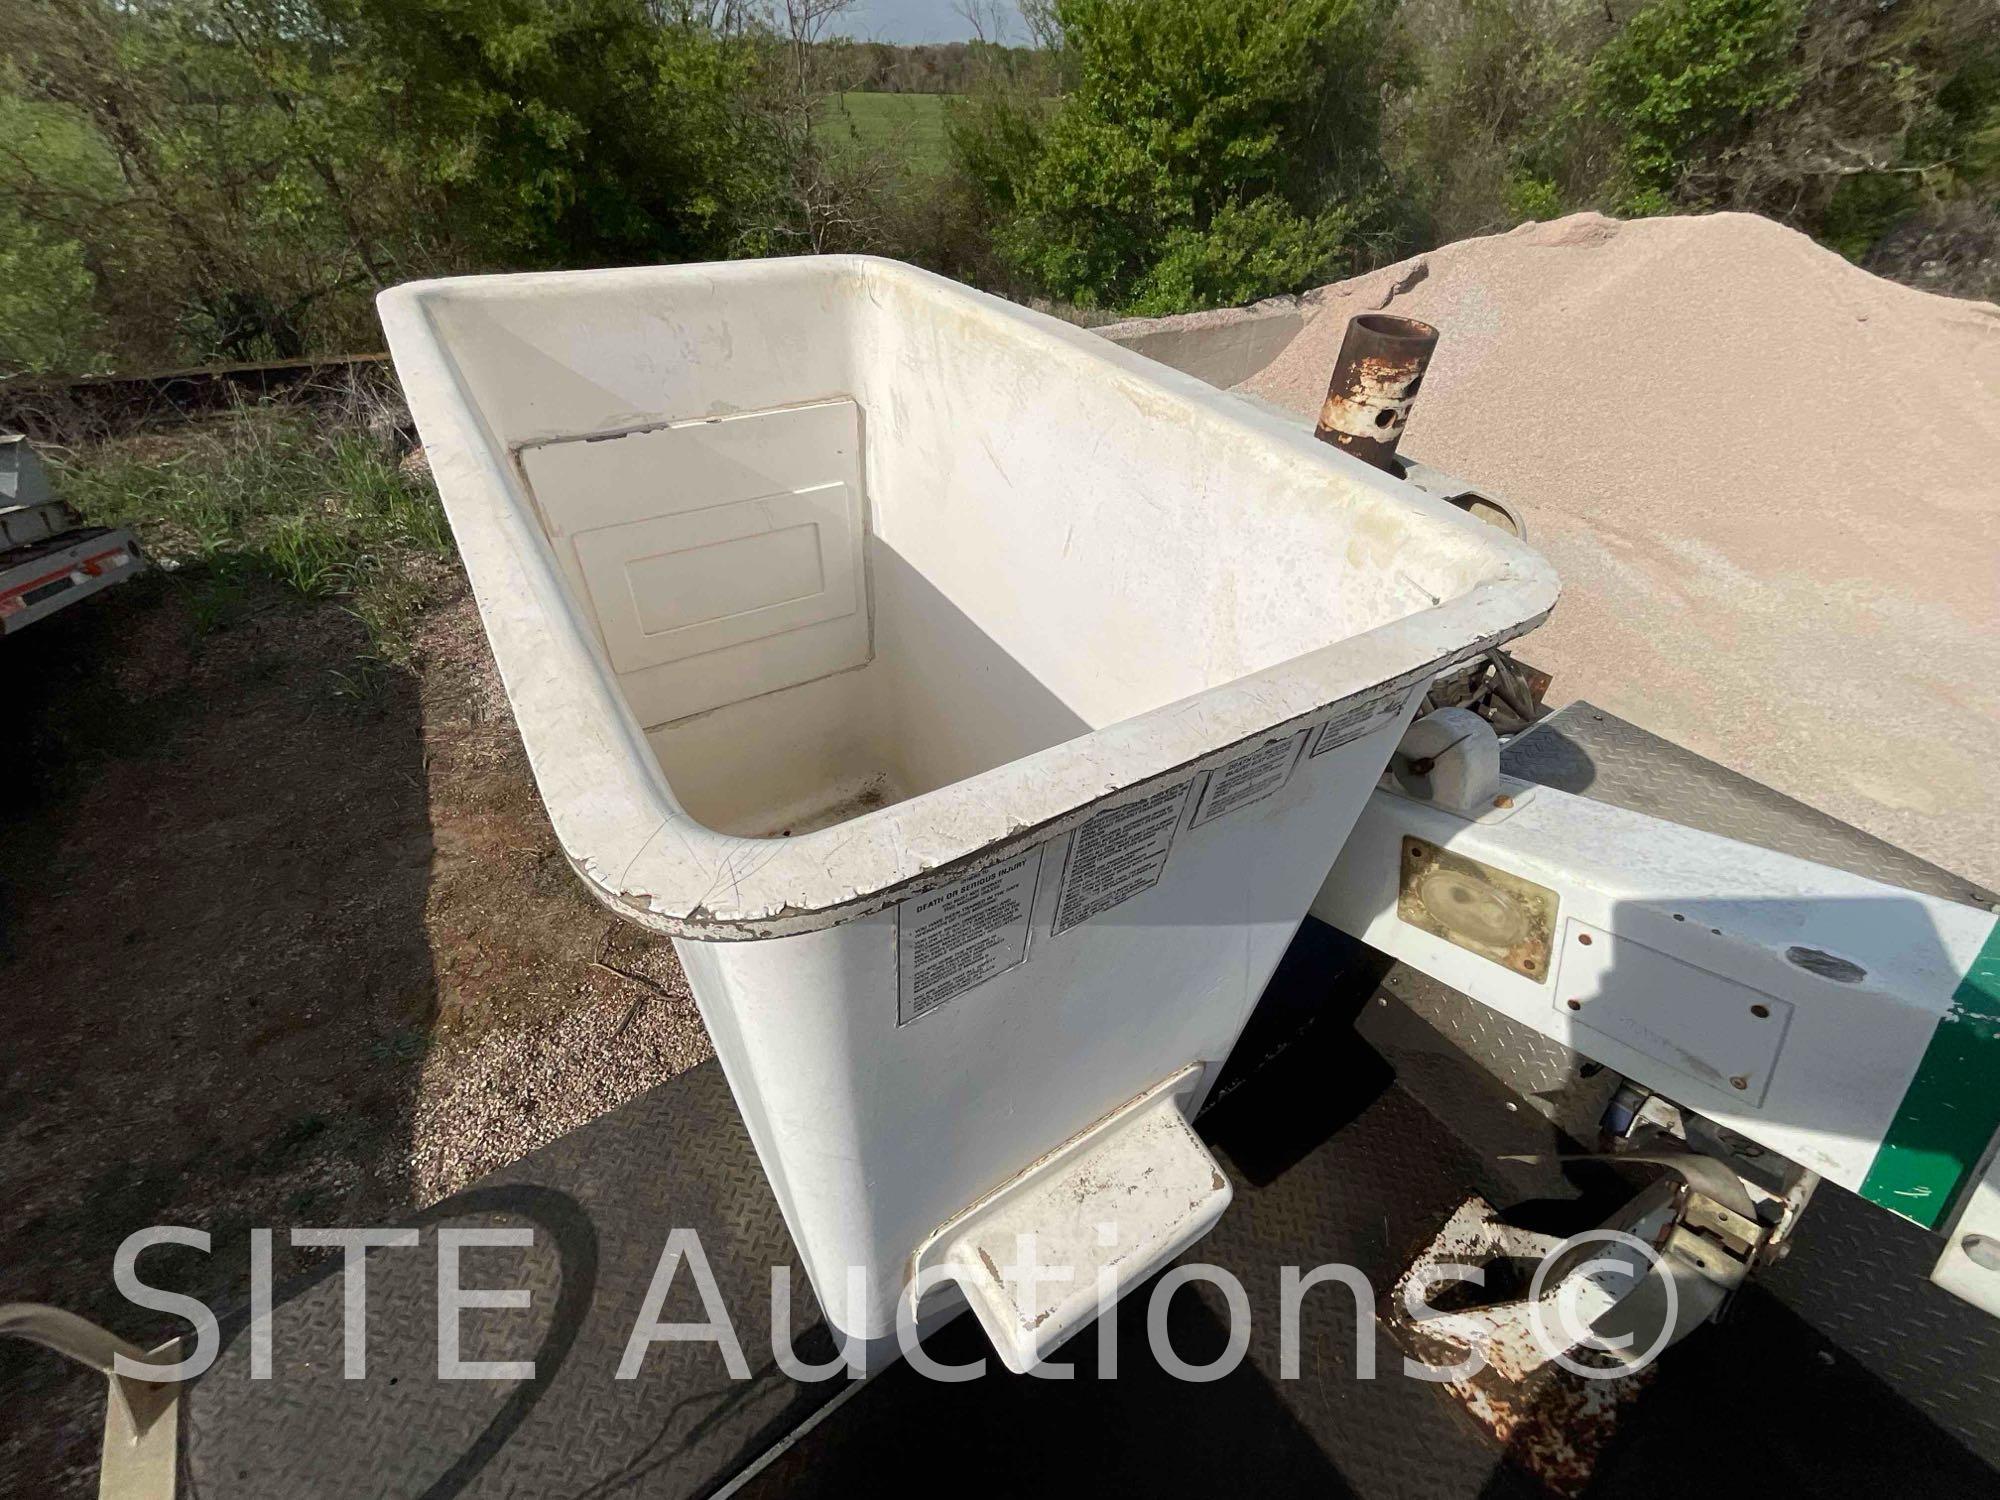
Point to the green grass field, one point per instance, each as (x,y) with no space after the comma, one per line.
(909,125)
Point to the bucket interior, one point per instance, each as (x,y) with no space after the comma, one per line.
(842,542)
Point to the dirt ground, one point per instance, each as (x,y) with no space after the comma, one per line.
(273,952)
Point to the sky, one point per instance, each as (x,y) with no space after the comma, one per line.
(913,21)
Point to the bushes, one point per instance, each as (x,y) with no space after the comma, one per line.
(1206,148)
(1213,151)
(46,320)
(1683,76)
(1484,129)
(569,132)
(239,177)
(192,180)
(1852,120)
(206,158)
(1249,250)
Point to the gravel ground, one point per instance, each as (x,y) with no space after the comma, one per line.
(551,1010)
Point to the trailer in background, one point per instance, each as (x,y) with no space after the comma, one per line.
(49,558)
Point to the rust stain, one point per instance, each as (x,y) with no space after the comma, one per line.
(1376,377)
(1527,910)
(1554,1424)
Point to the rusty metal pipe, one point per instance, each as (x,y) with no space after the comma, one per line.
(1382,362)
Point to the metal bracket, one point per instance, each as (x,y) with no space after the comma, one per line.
(1659,1268)
(141,1418)
(1804,1008)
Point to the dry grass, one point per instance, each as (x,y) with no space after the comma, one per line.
(320,499)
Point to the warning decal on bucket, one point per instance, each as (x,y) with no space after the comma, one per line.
(958,936)
(1249,778)
(1352,722)
(1118,854)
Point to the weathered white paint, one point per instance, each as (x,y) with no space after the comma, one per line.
(1667,938)
(1086,580)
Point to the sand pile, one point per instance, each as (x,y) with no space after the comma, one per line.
(1770,481)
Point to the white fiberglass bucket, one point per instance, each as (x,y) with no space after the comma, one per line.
(978,705)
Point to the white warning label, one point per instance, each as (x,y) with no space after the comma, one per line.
(1119,853)
(1249,778)
(959,936)
(1347,726)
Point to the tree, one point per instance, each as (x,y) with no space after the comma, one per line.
(1683,77)
(214,205)
(1485,124)
(1208,151)
(827,197)
(574,132)
(235,179)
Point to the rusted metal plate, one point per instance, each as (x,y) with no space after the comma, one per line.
(1477,907)
(1555,1422)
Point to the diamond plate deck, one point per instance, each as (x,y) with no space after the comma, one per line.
(1595,754)
(1351,1122)
(601,1202)
(1353,1146)
(1330,1160)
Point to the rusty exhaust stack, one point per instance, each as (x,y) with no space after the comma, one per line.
(1382,362)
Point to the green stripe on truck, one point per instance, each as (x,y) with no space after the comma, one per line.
(1951,1108)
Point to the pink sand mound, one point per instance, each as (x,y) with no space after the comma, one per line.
(1770,480)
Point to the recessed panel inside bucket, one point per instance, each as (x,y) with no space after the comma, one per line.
(791,670)
(717,559)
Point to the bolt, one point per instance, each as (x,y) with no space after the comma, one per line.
(1983,1250)
(1576,1005)
(1739,1083)
(1583,938)
(1761,1012)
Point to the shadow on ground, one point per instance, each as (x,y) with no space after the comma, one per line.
(218,984)
(283,941)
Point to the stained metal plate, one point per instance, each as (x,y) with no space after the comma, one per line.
(1478,907)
